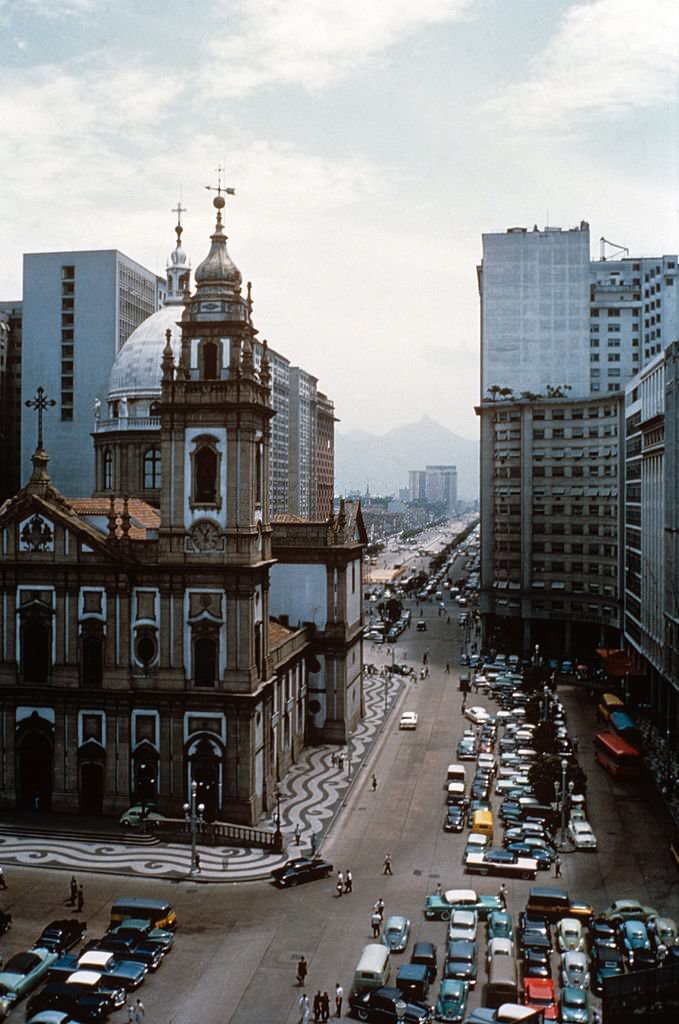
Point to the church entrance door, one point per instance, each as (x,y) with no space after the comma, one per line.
(34,769)
(91,788)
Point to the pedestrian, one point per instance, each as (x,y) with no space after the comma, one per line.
(313,844)
(375,921)
(439,889)
(130,1013)
(302,971)
(387,865)
(339,888)
(448,621)
(297,835)
(424,658)
(325,1006)
(340,879)
(138,1012)
(374,782)
(502,895)
(339,996)
(3,882)
(304,1009)
(333,760)
(379,907)
(557,866)
(197,862)
(81,898)
(348,881)
(448,667)
(74,890)
(317,1006)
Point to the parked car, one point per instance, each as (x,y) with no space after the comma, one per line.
(455,818)
(440,906)
(408,720)
(607,962)
(540,856)
(574,1006)
(144,951)
(539,994)
(499,925)
(24,971)
(139,813)
(663,931)
(624,909)
(467,748)
(451,1002)
(536,963)
(463,924)
(379,1005)
(301,869)
(570,936)
(421,626)
(635,943)
(62,935)
(461,961)
(396,933)
(574,970)
(477,715)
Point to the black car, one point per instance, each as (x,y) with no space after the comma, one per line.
(425,953)
(536,963)
(542,856)
(455,818)
(143,951)
(88,1007)
(301,869)
(602,931)
(60,936)
(480,788)
(379,1004)
(461,956)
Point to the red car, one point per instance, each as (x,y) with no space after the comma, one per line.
(540,995)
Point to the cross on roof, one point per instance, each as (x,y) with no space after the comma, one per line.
(179,210)
(219,188)
(40,403)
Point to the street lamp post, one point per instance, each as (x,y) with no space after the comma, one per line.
(194,817)
(565,791)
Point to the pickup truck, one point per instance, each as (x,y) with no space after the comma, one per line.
(500,862)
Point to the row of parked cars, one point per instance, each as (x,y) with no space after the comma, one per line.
(88,985)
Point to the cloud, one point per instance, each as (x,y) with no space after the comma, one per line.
(53,9)
(313,43)
(607,58)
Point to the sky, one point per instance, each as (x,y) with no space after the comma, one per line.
(370,144)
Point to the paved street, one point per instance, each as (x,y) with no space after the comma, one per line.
(237,945)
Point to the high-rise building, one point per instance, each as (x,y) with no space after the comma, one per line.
(534,288)
(441,486)
(302,442)
(78,310)
(325,456)
(417,485)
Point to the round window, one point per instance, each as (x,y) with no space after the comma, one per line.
(314,706)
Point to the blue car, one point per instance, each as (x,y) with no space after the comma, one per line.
(574,1006)
(452,1000)
(24,971)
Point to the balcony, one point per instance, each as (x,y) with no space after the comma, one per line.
(127,423)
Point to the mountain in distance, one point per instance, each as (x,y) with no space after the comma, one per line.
(382,461)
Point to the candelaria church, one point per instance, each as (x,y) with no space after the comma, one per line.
(149,644)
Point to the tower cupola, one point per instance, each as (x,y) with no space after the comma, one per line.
(178,267)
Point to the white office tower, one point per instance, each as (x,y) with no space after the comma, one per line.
(535,305)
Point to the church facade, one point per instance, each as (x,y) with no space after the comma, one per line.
(138,651)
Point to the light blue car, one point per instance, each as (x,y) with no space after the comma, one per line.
(24,971)
(452,1000)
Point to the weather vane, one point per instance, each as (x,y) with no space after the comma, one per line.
(219,188)
(40,403)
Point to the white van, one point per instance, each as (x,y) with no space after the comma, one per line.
(373,968)
(455,793)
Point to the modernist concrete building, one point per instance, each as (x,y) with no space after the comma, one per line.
(551,526)
(78,310)
(138,652)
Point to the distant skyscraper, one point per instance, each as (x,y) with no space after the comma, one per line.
(441,486)
(78,310)
(303,396)
(417,485)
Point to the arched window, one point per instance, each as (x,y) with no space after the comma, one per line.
(108,470)
(152,475)
(35,648)
(92,654)
(205,661)
(205,464)
(209,351)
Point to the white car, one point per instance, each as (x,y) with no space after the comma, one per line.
(574,970)
(462,925)
(497,948)
(581,835)
(408,720)
(577,814)
(477,715)
(569,935)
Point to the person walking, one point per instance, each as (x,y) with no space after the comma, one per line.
(348,881)
(387,865)
(297,835)
(379,907)
(557,866)
(81,898)
(304,1009)
(340,880)
(139,1012)
(130,1013)
(439,889)
(375,921)
(317,1007)
(339,997)
(447,668)
(3,881)
(502,895)
(74,890)
(325,1006)
(374,782)
(302,971)
(339,888)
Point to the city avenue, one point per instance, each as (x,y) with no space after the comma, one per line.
(237,946)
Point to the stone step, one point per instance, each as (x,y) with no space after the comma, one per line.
(35,832)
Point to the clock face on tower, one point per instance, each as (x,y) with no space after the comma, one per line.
(205,537)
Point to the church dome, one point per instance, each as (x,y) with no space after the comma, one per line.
(136,372)
(218,275)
